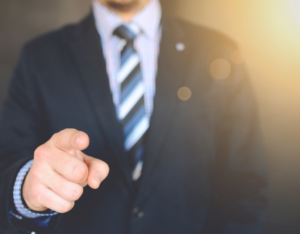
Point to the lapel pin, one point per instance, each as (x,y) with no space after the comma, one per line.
(180,46)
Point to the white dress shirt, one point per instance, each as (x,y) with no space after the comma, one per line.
(146,45)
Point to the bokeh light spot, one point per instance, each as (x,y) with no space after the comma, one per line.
(180,46)
(184,93)
(237,57)
(220,69)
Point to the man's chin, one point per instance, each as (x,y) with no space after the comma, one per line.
(123,6)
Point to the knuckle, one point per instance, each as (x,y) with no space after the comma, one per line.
(66,206)
(47,201)
(35,174)
(59,184)
(34,179)
(79,172)
(75,192)
(68,190)
(63,133)
(104,168)
(41,153)
(60,135)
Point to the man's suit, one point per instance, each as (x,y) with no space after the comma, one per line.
(204,167)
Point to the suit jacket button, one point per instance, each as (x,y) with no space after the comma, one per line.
(138,212)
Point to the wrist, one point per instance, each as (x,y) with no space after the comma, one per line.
(26,200)
(19,202)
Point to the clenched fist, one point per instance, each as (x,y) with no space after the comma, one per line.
(60,171)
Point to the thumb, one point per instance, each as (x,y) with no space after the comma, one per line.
(98,171)
(71,141)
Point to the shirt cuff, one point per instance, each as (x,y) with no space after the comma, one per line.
(17,196)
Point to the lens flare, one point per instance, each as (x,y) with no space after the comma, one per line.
(237,57)
(220,69)
(296,8)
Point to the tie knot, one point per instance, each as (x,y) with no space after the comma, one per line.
(127,32)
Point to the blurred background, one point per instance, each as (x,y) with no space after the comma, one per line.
(268,32)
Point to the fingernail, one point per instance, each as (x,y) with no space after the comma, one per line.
(77,140)
(98,178)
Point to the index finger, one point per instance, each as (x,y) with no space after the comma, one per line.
(71,139)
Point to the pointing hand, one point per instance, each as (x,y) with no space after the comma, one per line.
(60,171)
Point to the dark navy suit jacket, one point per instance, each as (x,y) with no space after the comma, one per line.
(204,168)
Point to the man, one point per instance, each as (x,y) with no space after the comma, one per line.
(132,93)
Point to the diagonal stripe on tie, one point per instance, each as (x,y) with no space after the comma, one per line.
(129,126)
(136,71)
(137,133)
(131,100)
(132,114)
(128,86)
(128,66)
(126,52)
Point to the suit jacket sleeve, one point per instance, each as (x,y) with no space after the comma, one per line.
(21,132)
(239,198)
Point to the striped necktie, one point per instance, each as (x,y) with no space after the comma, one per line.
(132,112)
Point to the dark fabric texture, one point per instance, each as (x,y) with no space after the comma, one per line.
(204,169)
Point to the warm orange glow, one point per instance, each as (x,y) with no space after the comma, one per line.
(267,31)
(237,57)
(220,69)
(268,34)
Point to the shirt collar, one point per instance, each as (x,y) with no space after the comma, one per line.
(147,19)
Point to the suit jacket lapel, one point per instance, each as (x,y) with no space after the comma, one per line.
(89,55)
(171,61)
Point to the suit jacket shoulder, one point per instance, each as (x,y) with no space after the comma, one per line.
(197,32)
(45,44)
